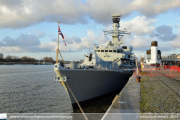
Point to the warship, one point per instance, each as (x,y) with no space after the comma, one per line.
(105,70)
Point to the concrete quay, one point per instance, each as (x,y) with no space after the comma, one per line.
(157,93)
(127,101)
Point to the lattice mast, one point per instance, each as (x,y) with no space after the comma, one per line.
(116,32)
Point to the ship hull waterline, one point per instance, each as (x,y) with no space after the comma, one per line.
(89,84)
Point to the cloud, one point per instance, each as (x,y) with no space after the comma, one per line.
(31,43)
(11,4)
(140,40)
(139,25)
(24,13)
(9,49)
(76,39)
(143,43)
(139,43)
(34,11)
(165,33)
(175,43)
(23,43)
(22,40)
(155,7)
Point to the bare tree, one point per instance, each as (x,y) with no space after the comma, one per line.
(8,58)
(47,59)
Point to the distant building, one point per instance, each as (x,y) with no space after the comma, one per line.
(1,55)
(172,59)
(178,56)
(153,55)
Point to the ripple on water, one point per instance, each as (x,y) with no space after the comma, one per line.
(31,89)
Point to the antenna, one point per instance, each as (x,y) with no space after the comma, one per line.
(95,44)
(89,50)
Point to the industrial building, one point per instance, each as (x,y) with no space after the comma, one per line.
(172,59)
(153,55)
(1,55)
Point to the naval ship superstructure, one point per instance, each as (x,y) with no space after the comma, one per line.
(105,70)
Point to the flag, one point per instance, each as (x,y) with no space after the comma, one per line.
(60,33)
(65,44)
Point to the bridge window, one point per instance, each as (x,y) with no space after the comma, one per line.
(119,51)
(106,50)
(98,50)
(110,50)
(114,50)
(102,50)
(124,47)
(95,50)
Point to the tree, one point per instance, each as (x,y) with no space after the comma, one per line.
(50,59)
(24,58)
(47,59)
(8,58)
(27,59)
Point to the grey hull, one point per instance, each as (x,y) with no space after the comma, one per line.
(88,84)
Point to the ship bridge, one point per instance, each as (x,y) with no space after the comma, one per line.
(112,52)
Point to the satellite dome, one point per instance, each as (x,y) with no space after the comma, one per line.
(130,48)
(116,15)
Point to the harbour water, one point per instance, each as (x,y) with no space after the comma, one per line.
(32,89)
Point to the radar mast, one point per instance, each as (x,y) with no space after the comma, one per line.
(116,41)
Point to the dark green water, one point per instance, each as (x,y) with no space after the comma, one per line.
(97,105)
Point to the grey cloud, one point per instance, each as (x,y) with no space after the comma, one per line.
(31,43)
(33,49)
(22,40)
(152,35)
(175,43)
(11,3)
(69,40)
(165,33)
(152,8)
(76,39)
(23,13)
(2,44)
(32,12)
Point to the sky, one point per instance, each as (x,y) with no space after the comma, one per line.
(30,27)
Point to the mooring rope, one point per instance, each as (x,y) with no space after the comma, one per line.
(77,101)
(72,92)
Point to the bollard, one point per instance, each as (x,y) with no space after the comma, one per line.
(138,79)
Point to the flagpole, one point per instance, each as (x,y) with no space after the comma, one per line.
(57,46)
(58,36)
